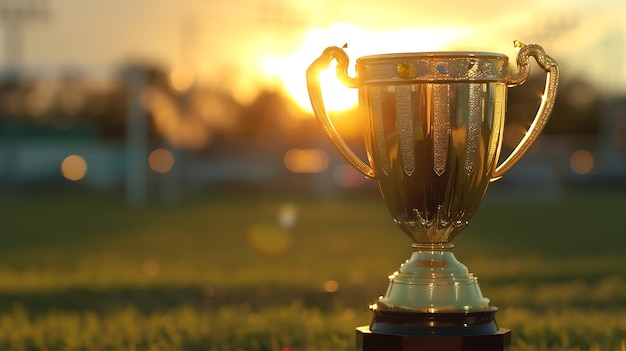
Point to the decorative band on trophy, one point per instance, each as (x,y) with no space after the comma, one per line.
(432,67)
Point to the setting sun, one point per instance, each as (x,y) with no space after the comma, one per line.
(290,70)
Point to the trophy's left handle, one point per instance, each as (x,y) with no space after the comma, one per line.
(317,102)
(547,101)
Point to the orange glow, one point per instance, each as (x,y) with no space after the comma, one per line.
(330,286)
(306,160)
(337,97)
(151,268)
(74,167)
(513,133)
(290,70)
(181,79)
(180,127)
(161,160)
(581,162)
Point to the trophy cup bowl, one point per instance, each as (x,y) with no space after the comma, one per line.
(434,125)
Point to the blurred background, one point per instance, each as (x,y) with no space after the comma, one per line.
(157,97)
(164,184)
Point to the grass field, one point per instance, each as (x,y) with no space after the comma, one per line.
(261,271)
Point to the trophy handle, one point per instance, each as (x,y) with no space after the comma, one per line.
(547,101)
(317,102)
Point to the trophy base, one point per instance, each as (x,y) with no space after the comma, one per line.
(421,331)
(367,340)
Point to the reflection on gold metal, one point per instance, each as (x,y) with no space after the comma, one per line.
(518,44)
(451,147)
(407,70)
(433,135)
(74,167)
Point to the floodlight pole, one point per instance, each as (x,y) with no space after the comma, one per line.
(13,15)
(136,139)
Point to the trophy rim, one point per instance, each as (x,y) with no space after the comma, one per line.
(434,55)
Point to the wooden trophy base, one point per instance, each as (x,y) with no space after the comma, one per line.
(405,331)
(369,341)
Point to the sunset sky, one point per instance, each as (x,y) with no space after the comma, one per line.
(242,43)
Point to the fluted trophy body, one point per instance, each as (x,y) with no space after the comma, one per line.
(433,159)
(433,133)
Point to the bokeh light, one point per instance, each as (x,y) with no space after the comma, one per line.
(581,162)
(330,286)
(306,160)
(74,167)
(151,268)
(161,160)
(287,216)
(181,79)
(269,239)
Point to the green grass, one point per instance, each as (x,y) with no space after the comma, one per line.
(84,272)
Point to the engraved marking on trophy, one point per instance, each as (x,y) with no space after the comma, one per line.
(379,130)
(459,222)
(442,221)
(473,69)
(441,127)
(407,70)
(473,128)
(423,219)
(404,121)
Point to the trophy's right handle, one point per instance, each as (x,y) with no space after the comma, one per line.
(547,101)
(317,102)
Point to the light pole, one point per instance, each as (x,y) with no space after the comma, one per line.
(14,14)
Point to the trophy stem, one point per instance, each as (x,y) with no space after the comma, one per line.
(432,246)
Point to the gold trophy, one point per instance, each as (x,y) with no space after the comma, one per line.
(433,133)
